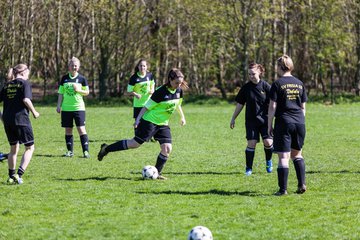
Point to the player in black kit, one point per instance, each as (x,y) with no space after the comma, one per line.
(287,105)
(16,95)
(255,94)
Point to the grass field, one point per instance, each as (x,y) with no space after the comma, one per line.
(79,198)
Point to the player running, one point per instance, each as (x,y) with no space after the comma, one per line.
(141,86)
(255,94)
(16,95)
(153,120)
(72,88)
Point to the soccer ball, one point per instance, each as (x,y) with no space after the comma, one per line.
(150,172)
(200,233)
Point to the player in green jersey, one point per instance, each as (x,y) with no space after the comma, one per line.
(72,88)
(141,86)
(153,120)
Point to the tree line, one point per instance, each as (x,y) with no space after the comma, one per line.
(212,42)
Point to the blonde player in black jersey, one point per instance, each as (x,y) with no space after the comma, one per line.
(287,105)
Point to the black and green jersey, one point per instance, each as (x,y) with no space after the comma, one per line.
(72,101)
(162,104)
(141,85)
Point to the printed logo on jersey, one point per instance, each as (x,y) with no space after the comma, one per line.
(171,108)
(143,89)
(11,90)
(69,89)
(292,90)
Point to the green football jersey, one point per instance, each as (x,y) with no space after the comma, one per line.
(162,104)
(72,101)
(141,85)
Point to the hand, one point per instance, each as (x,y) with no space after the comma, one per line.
(271,131)
(138,96)
(77,87)
(136,124)
(182,122)
(36,114)
(58,109)
(232,124)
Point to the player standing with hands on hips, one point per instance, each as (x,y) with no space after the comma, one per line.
(287,104)
(255,94)
(153,120)
(72,88)
(16,95)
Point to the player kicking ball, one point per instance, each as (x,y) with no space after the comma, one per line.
(153,120)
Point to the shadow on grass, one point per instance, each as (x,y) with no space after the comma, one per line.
(210,192)
(95,140)
(196,173)
(93,178)
(47,155)
(59,156)
(336,172)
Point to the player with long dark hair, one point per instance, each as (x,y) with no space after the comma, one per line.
(141,85)
(153,120)
(255,95)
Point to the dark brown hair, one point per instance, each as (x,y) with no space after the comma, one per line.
(257,66)
(175,73)
(136,69)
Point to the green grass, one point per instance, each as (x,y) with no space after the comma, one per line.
(81,198)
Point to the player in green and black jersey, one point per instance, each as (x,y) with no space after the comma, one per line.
(287,105)
(153,120)
(73,86)
(255,95)
(141,86)
(16,95)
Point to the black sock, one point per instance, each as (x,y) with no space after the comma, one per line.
(249,153)
(84,142)
(20,171)
(69,142)
(117,146)
(268,152)
(299,165)
(11,172)
(283,174)
(160,162)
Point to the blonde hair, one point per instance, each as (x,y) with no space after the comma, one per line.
(74,60)
(285,63)
(15,71)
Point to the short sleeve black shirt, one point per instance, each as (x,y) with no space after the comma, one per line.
(12,94)
(256,98)
(289,93)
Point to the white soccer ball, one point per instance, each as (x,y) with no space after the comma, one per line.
(200,233)
(150,172)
